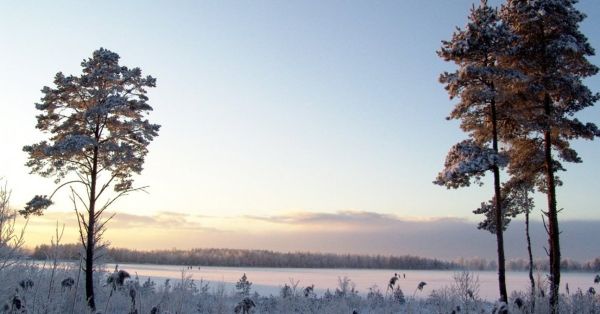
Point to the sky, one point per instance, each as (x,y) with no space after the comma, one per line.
(286,125)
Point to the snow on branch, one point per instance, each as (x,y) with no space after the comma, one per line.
(467,160)
(36,206)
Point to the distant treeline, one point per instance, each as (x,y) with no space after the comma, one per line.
(251,258)
(265,258)
(521,264)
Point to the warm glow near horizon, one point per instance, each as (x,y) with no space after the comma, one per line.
(340,232)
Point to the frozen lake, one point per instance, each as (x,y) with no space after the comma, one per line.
(269,280)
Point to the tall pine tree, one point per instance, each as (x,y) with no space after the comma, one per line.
(97,138)
(552,53)
(482,86)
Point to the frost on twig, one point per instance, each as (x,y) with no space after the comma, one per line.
(11,240)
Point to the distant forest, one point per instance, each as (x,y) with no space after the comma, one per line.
(265,258)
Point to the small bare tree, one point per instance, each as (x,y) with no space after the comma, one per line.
(11,240)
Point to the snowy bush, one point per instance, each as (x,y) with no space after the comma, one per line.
(32,288)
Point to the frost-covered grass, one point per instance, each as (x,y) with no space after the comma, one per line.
(42,288)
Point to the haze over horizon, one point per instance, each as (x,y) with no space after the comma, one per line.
(341,233)
(283,123)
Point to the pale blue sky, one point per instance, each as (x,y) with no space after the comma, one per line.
(271,106)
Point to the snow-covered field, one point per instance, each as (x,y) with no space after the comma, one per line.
(269,280)
(36,288)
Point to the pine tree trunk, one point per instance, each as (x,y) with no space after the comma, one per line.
(89,251)
(553,231)
(89,262)
(500,238)
(530,258)
(498,211)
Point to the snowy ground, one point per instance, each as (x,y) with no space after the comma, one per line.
(35,288)
(268,280)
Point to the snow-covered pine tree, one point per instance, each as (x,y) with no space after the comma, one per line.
(524,170)
(552,53)
(97,138)
(482,86)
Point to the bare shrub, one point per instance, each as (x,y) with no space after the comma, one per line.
(11,240)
